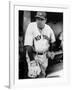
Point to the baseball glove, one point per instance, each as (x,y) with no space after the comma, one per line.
(33,69)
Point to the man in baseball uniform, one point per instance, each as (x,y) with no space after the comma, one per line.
(38,37)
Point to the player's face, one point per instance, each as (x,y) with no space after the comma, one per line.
(40,22)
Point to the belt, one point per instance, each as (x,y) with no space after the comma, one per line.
(39,53)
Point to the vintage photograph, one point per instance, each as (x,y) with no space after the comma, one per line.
(40,44)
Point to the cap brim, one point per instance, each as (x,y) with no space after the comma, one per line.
(41,17)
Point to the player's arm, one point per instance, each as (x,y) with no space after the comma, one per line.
(33,68)
(28,43)
(52,44)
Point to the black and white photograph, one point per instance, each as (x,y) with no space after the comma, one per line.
(40,44)
(36,45)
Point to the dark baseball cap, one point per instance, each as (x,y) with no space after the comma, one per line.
(41,15)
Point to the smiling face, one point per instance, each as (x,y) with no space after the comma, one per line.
(40,23)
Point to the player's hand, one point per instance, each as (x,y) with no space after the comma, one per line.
(51,55)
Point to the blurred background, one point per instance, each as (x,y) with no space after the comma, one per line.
(54,19)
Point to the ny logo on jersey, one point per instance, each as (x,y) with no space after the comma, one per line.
(39,37)
(45,37)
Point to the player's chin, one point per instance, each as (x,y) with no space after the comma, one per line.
(41,26)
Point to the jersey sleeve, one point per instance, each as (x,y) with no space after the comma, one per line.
(29,36)
(52,36)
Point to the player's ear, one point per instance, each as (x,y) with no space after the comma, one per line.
(45,20)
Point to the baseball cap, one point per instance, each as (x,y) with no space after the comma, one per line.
(41,15)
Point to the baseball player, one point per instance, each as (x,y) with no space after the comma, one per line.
(37,38)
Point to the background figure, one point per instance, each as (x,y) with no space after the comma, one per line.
(56,62)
